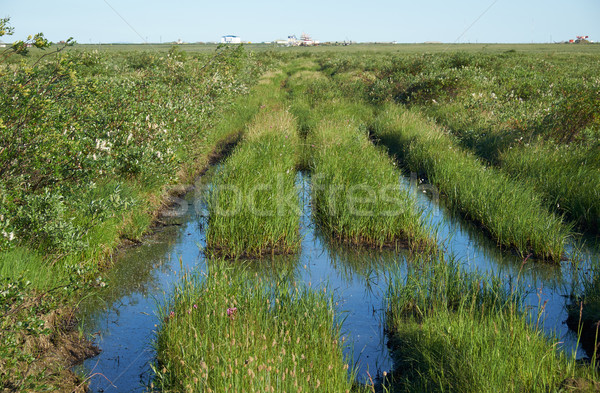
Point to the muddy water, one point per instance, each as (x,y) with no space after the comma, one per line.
(123,318)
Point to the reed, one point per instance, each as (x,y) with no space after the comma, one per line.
(568,177)
(357,192)
(254,205)
(466,332)
(511,212)
(583,309)
(231,331)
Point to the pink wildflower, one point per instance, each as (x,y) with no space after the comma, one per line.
(231,311)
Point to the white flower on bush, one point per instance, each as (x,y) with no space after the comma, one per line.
(103,145)
(10,236)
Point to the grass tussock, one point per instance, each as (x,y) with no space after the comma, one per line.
(463,332)
(512,213)
(231,331)
(254,204)
(568,176)
(357,193)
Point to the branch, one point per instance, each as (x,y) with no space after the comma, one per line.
(69,42)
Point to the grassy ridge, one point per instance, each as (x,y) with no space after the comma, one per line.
(494,101)
(567,176)
(462,332)
(356,187)
(512,213)
(253,205)
(233,332)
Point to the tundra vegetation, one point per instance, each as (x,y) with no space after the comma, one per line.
(254,207)
(93,143)
(511,212)
(460,331)
(229,330)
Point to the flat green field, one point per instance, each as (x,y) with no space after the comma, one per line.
(401,48)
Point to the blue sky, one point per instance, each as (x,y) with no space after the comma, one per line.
(265,20)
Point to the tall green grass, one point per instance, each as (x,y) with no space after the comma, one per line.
(357,192)
(568,176)
(231,331)
(511,212)
(464,332)
(254,205)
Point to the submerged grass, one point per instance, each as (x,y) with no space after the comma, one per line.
(254,204)
(511,212)
(357,192)
(232,331)
(584,310)
(464,332)
(567,175)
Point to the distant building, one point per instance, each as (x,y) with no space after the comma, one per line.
(231,39)
(291,41)
(305,40)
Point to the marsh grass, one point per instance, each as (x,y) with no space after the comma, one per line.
(254,205)
(511,212)
(357,193)
(231,331)
(465,332)
(568,176)
(584,310)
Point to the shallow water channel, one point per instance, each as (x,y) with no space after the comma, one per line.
(123,316)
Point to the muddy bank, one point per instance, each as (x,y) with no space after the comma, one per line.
(54,352)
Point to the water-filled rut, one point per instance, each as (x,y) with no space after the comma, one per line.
(123,316)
